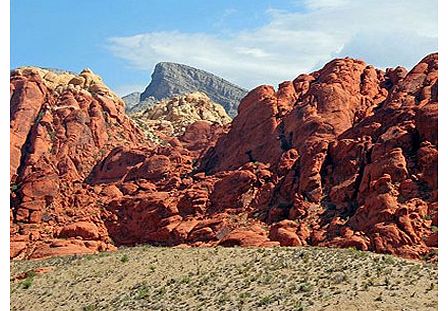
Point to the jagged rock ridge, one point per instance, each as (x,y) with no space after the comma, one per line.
(131,100)
(171,79)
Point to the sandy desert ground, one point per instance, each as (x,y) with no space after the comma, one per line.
(153,278)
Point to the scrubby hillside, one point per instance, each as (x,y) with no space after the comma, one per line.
(146,278)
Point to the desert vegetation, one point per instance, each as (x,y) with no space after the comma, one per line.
(155,278)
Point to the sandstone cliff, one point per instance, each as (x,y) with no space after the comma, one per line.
(61,125)
(345,156)
(352,151)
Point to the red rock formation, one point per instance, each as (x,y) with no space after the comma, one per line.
(76,157)
(345,156)
(57,135)
(354,156)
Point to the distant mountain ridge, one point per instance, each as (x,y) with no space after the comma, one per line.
(172,79)
(131,100)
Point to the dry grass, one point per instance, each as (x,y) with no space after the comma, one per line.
(150,278)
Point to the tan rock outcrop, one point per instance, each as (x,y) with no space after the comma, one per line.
(172,116)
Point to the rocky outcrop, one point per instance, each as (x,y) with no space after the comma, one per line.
(170,117)
(171,79)
(353,156)
(75,156)
(131,100)
(61,125)
(342,157)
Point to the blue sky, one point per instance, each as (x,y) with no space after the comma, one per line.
(246,42)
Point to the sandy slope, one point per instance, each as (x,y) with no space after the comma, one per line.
(149,278)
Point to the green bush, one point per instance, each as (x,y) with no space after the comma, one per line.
(124,258)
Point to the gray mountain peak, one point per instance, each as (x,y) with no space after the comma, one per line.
(131,100)
(172,79)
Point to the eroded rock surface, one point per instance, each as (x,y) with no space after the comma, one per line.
(342,157)
(353,156)
(61,126)
(131,100)
(171,117)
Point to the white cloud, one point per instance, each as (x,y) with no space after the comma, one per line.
(384,33)
(321,4)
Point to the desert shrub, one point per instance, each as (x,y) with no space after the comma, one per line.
(185,279)
(265,300)
(306,287)
(29,280)
(124,258)
(142,292)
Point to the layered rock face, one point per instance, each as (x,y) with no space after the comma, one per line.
(343,157)
(171,79)
(170,117)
